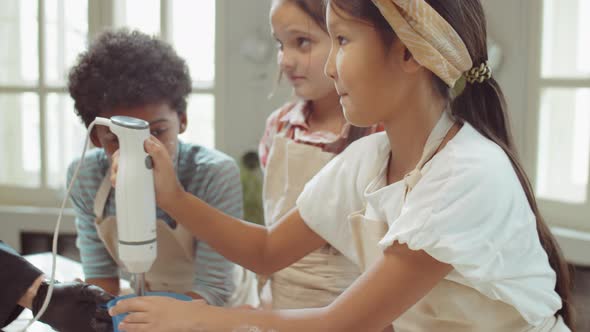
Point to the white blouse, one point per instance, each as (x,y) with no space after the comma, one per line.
(468,210)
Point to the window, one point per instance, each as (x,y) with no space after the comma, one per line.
(39,131)
(560,132)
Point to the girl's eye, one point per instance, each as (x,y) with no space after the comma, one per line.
(303,42)
(342,40)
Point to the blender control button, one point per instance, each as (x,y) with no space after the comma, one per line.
(149,163)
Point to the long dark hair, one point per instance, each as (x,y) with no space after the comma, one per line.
(315,9)
(483,106)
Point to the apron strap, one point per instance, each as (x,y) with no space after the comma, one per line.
(102,195)
(433,143)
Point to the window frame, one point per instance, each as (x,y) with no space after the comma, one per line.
(101,16)
(560,214)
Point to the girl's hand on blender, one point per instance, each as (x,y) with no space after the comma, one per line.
(163,314)
(168,188)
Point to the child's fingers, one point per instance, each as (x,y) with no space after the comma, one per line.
(151,146)
(155,149)
(137,317)
(135,304)
(134,327)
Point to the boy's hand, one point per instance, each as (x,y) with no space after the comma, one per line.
(168,188)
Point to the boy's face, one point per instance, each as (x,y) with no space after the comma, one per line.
(165,125)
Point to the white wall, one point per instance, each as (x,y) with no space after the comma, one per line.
(508,25)
(247,82)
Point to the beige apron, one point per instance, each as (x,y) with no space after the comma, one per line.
(317,279)
(449,306)
(174,267)
(246,291)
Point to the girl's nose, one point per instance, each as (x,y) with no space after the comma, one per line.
(286,61)
(330,67)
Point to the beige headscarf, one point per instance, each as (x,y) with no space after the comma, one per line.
(431,39)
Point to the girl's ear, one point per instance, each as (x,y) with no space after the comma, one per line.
(409,63)
(401,58)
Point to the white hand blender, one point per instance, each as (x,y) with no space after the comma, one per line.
(135,197)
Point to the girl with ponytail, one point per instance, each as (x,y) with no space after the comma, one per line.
(437,211)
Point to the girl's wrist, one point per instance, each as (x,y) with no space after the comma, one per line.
(173,200)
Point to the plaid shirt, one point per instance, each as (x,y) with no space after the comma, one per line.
(290,121)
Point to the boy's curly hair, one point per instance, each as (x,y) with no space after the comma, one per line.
(125,68)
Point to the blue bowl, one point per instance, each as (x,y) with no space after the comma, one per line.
(119,318)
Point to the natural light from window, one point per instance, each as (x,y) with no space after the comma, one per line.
(564,118)
(40,133)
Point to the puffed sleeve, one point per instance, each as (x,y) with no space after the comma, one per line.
(337,191)
(459,214)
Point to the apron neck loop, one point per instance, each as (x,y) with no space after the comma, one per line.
(435,139)
(102,195)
